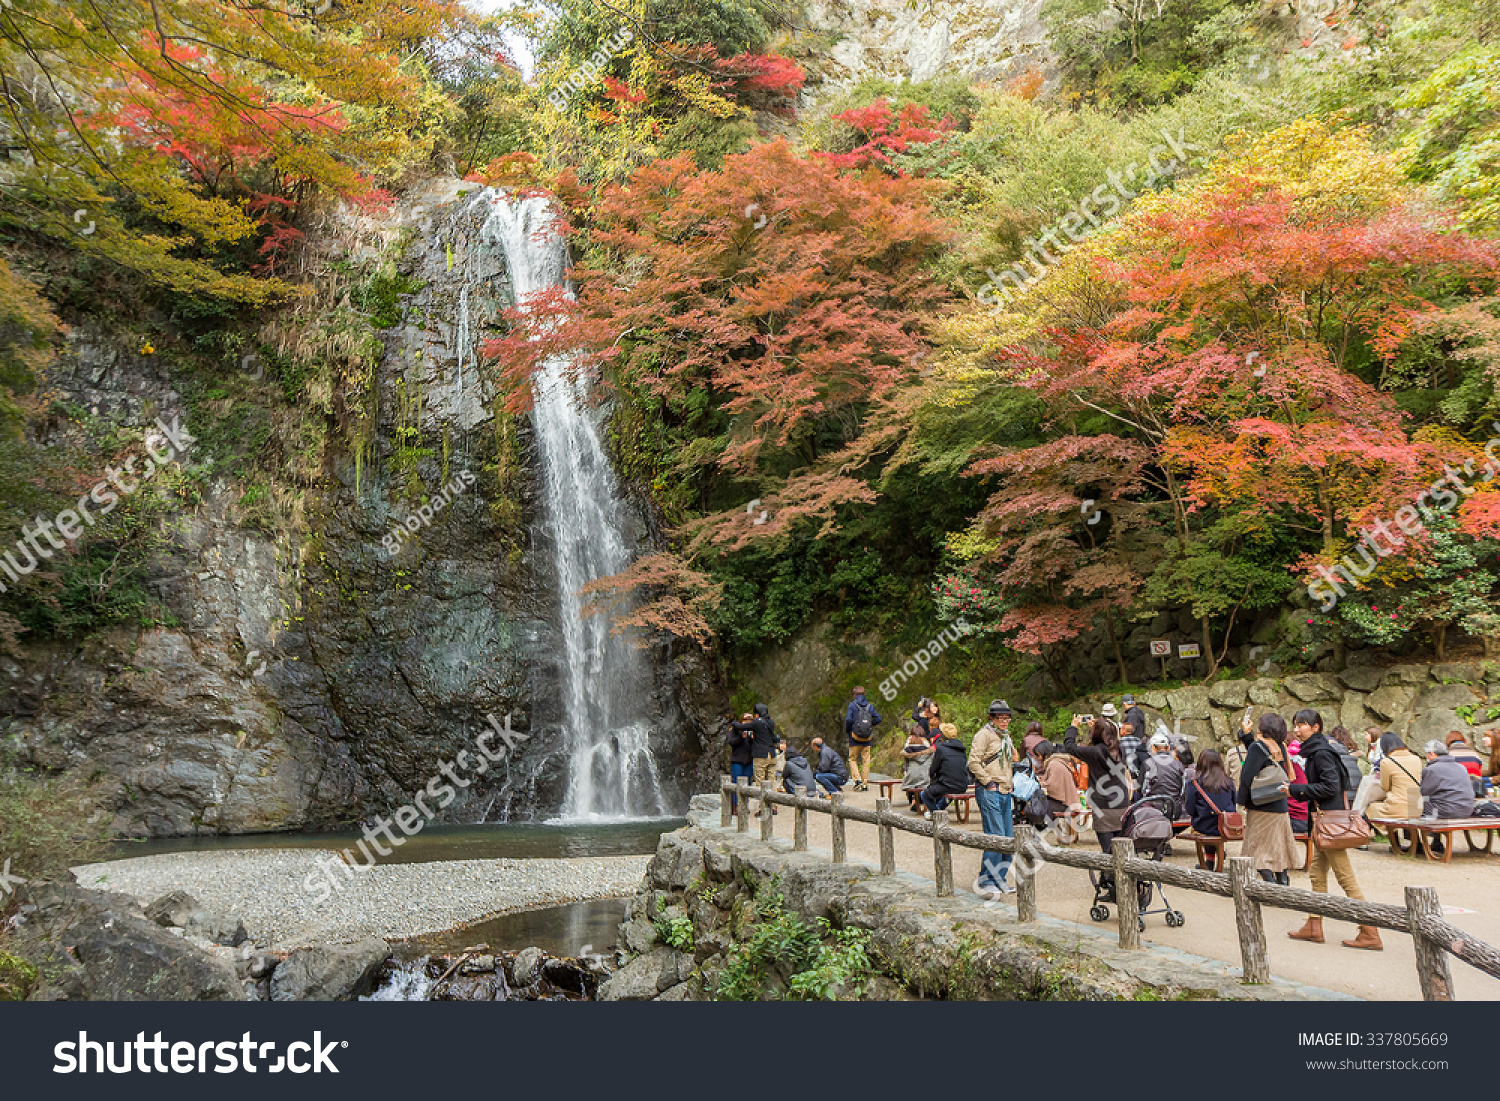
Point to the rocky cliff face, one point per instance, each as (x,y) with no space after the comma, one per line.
(984,39)
(312,676)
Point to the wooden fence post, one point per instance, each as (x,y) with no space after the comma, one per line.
(1432,958)
(1255,964)
(726,809)
(799,823)
(1024,872)
(767,827)
(1125,897)
(742,813)
(887,837)
(836,827)
(942,853)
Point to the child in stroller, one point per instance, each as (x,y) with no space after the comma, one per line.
(1151,830)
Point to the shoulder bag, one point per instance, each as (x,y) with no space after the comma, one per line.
(1339,829)
(1231,822)
(1266,787)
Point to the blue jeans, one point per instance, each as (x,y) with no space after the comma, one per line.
(994,815)
(934,798)
(830,782)
(735,772)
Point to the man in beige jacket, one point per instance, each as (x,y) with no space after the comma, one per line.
(990,757)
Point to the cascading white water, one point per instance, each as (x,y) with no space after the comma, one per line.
(606,681)
(463,339)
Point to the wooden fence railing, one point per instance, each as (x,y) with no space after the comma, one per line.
(1435,939)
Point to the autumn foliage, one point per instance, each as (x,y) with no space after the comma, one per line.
(1222,405)
(777,295)
(880,131)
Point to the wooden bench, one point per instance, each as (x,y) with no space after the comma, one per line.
(1424,830)
(885,786)
(961,804)
(1210,849)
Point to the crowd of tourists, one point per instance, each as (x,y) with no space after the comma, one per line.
(1276,789)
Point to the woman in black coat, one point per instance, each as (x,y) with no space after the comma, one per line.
(1327,789)
(1109,776)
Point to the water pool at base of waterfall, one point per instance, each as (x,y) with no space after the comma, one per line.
(571,930)
(489,841)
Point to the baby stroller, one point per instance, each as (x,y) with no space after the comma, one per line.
(1151,830)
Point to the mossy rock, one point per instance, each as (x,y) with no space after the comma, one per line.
(17,978)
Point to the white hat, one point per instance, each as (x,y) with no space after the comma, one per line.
(1109,711)
(1160,741)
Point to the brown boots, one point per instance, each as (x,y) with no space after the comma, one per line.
(1368,937)
(1311,930)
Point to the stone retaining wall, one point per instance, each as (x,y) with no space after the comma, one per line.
(1418,702)
(921,946)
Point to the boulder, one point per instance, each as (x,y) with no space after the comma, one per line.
(181,910)
(1353,716)
(1225,727)
(690,872)
(173,909)
(716,861)
(1230,693)
(1264,693)
(1152,698)
(527,966)
(1362,678)
(1465,672)
(637,934)
(100,946)
(258,965)
(1189,702)
(1444,697)
(1390,701)
(329,972)
(664,862)
(1312,687)
(1433,725)
(644,977)
(1198,732)
(1411,676)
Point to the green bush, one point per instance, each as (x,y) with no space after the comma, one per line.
(47,824)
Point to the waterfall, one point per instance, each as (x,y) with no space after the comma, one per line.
(606,681)
(463,340)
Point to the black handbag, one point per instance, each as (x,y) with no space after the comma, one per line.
(1038,808)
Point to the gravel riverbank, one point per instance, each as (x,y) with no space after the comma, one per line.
(265,889)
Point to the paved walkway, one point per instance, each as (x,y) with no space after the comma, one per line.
(1469,889)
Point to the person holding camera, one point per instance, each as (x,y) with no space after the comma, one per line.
(1264,784)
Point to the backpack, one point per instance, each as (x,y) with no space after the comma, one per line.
(1037,809)
(864,727)
(1487,810)
(1079,770)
